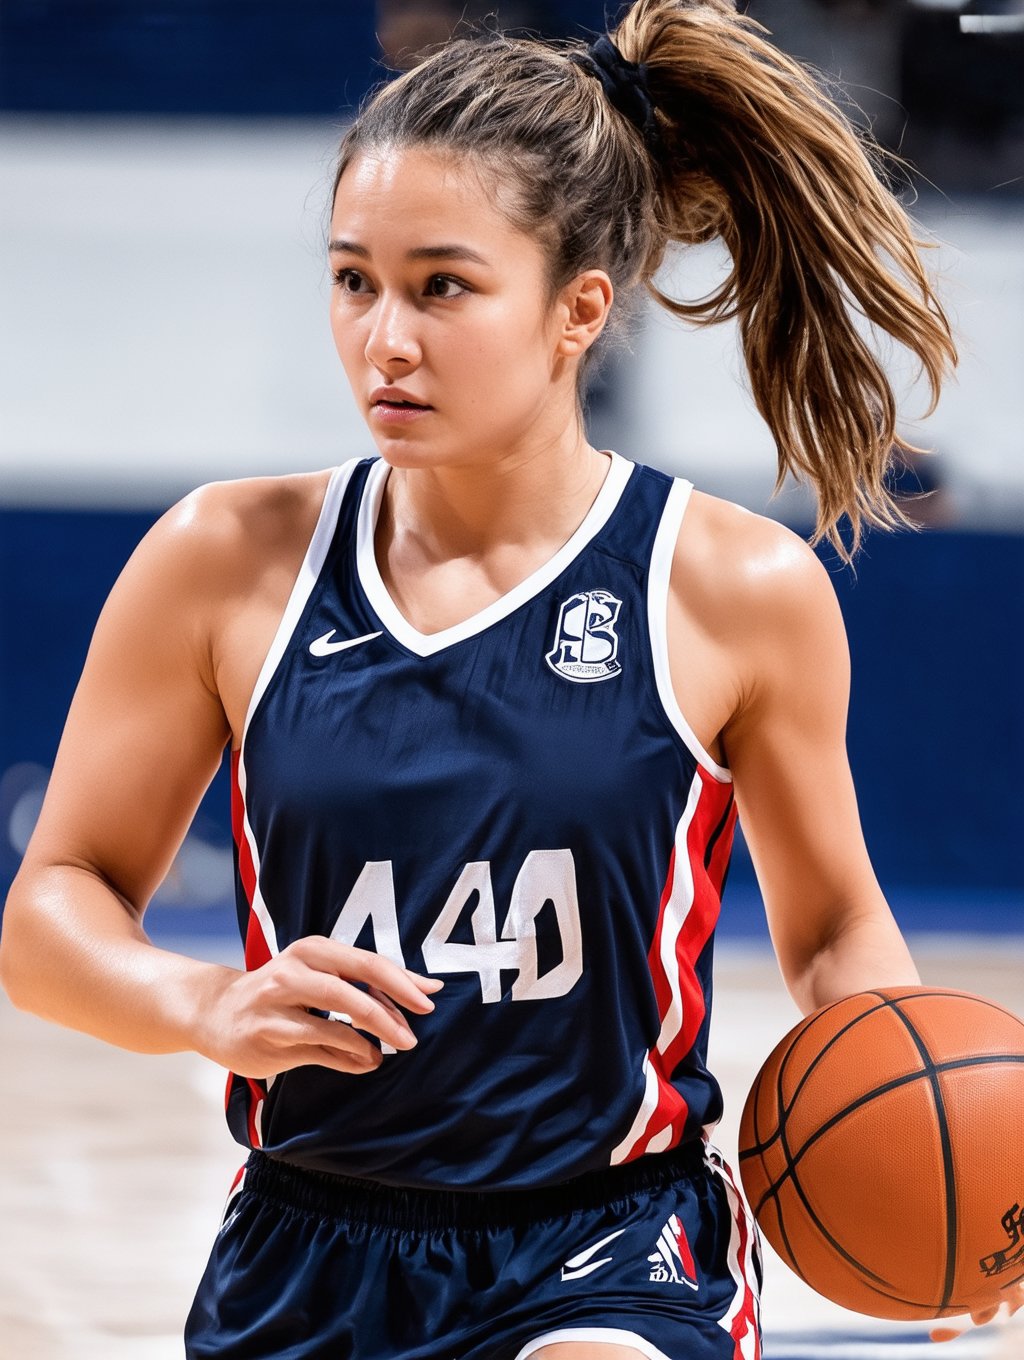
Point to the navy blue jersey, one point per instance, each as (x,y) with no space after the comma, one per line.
(515,804)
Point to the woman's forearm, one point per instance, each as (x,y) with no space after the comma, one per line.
(72,951)
(867,951)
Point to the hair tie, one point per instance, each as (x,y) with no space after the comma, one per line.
(625,84)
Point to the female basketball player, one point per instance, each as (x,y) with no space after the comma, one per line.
(493,699)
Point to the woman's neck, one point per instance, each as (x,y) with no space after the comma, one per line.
(529,502)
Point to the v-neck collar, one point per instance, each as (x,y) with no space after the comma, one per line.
(427,644)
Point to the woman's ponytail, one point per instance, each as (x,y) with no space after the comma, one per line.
(706,130)
(757,154)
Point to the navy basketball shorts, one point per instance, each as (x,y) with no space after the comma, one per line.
(659,1254)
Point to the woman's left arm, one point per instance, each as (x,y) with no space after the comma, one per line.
(832,928)
(833,932)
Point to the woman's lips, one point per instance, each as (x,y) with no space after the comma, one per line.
(393,414)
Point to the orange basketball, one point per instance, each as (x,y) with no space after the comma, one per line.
(882,1151)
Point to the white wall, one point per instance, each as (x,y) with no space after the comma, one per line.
(163,321)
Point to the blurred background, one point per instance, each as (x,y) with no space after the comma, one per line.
(164,167)
(164,171)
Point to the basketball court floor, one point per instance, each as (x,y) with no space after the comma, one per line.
(116,1167)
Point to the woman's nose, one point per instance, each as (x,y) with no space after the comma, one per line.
(392,337)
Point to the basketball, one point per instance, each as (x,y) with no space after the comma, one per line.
(882,1154)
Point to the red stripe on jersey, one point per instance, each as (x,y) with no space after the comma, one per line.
(671,1111)
(246,869)
(740,1319)
(257,952)
(671,1107)
(662,989)
(697,926)
(744,1323)
(700,921)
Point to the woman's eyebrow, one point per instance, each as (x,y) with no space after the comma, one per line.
(447,252)
(444,252)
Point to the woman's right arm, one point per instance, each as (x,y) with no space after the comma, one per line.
(143,739)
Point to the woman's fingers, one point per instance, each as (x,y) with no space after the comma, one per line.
(325,1055)
(363,965)
(362,1010)
(1013,1302)
(280,1015)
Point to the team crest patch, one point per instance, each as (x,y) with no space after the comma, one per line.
(586,643)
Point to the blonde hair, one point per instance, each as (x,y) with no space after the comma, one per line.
(752,151)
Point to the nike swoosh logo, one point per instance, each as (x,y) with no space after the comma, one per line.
(577,1266)
(323,646)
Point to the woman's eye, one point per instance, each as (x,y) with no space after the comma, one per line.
(342,277)
(446,280)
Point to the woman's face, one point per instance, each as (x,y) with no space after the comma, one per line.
(437,294)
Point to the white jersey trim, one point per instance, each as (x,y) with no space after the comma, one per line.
(307,578)
(309,574)
(741,1262)
(657,617)
(428,644)
(671,922)
(608,1336)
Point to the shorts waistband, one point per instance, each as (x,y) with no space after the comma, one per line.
(378,1204)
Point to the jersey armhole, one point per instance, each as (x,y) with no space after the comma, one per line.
(658,580)
(309,574)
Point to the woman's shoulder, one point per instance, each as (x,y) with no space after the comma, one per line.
(229,532)
(250,512)
(222,547)
(745,570)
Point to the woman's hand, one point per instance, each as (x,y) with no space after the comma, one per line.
(260,1022)
(1013,1302)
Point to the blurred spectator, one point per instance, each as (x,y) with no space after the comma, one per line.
(407,29)
(917,481)
(855,42)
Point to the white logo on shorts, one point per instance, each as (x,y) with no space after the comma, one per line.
(578,1266)
(586,643)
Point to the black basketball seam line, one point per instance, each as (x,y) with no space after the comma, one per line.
(785,1237)
(756,1096)
(884,1003)
(808,1208)
(785,1149)
(790,1173)
(783,1116)
(931,1071)
(948,1169)
(953,1065)
(836,1246)
(785,1109)
(784,1112)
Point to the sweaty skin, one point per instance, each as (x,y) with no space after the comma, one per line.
(441,299)
(437,294)
(485,487)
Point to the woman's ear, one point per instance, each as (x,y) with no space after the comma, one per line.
(583,311)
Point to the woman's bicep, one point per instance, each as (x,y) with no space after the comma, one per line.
(145,731)
(787,750)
